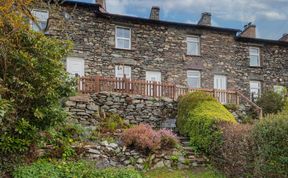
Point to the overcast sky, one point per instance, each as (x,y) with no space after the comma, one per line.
(270,16)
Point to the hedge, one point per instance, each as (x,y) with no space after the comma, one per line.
(271,143)
(198,115)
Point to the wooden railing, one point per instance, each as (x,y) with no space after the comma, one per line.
(96,84)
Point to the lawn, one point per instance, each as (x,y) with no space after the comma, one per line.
(194,173)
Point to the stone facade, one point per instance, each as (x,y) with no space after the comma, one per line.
(134,109)
(161,46)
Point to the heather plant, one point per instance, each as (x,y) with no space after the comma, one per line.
(168,138)
(142,137)
(145,138)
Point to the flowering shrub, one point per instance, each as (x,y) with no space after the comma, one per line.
(145,138)
(168,138)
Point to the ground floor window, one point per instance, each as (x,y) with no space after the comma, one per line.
(194,78)
(121,71)
(255,89)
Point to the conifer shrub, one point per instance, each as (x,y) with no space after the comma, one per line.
(198,116)
(271,102)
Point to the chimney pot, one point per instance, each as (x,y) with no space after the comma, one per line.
(284,37)
(102,4)
(155,13)
(205,19)
(249,31)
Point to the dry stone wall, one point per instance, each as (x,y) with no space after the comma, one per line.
(135,109)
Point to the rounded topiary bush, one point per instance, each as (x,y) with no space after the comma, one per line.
(198,116)
(271,143)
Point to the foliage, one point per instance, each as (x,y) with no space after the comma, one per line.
(62,169)
(145,138)
(168,173)
(142,137)
(111,122)
(271,102)
(198,116)
(168,138)
(270,136)
(234,155)
(32,79)
(232,107)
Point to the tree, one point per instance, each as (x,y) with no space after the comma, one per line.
(32,79)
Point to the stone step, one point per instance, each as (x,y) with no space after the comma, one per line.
(185,143)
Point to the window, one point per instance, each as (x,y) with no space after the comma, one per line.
(254,56)
(255,89)
(121,70)
(123,38)
(193,46)
(193,79)
(41,17)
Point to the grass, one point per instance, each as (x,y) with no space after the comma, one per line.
(195,173)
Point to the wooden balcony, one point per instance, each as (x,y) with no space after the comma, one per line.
(96,84)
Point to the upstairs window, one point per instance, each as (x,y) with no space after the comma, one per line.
(255,89)
(123,38)
(41,17)
(254,55)
(193,79)
(193,45)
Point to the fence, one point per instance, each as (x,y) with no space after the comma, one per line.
(96,84)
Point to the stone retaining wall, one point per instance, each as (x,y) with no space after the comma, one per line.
(135,109)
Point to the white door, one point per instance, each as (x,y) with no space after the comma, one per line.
(75,65)
(153,77)
(220,83)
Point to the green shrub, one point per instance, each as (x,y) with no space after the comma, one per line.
(111,122)
(271,139)
(198,115)
(271,102)
(80,169)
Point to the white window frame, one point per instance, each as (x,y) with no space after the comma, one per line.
(122,38)
(257,54)
(196,75)
(257,88)
(124,67)
(37,20)
(120,85)
(191,39)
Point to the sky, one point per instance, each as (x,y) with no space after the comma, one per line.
(270,16)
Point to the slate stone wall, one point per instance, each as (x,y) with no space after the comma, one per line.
(159,47)
(134,109)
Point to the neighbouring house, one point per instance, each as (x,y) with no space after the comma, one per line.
(195,55)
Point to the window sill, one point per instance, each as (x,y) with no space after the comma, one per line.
(256,67)
(192,55)
(123,49)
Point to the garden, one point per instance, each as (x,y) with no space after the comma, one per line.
(37,139)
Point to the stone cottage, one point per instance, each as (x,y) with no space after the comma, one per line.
(195,55)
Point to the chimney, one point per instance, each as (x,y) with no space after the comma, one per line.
(154,14)
(205,19)
(249,31)
(102,4)
(284,37)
